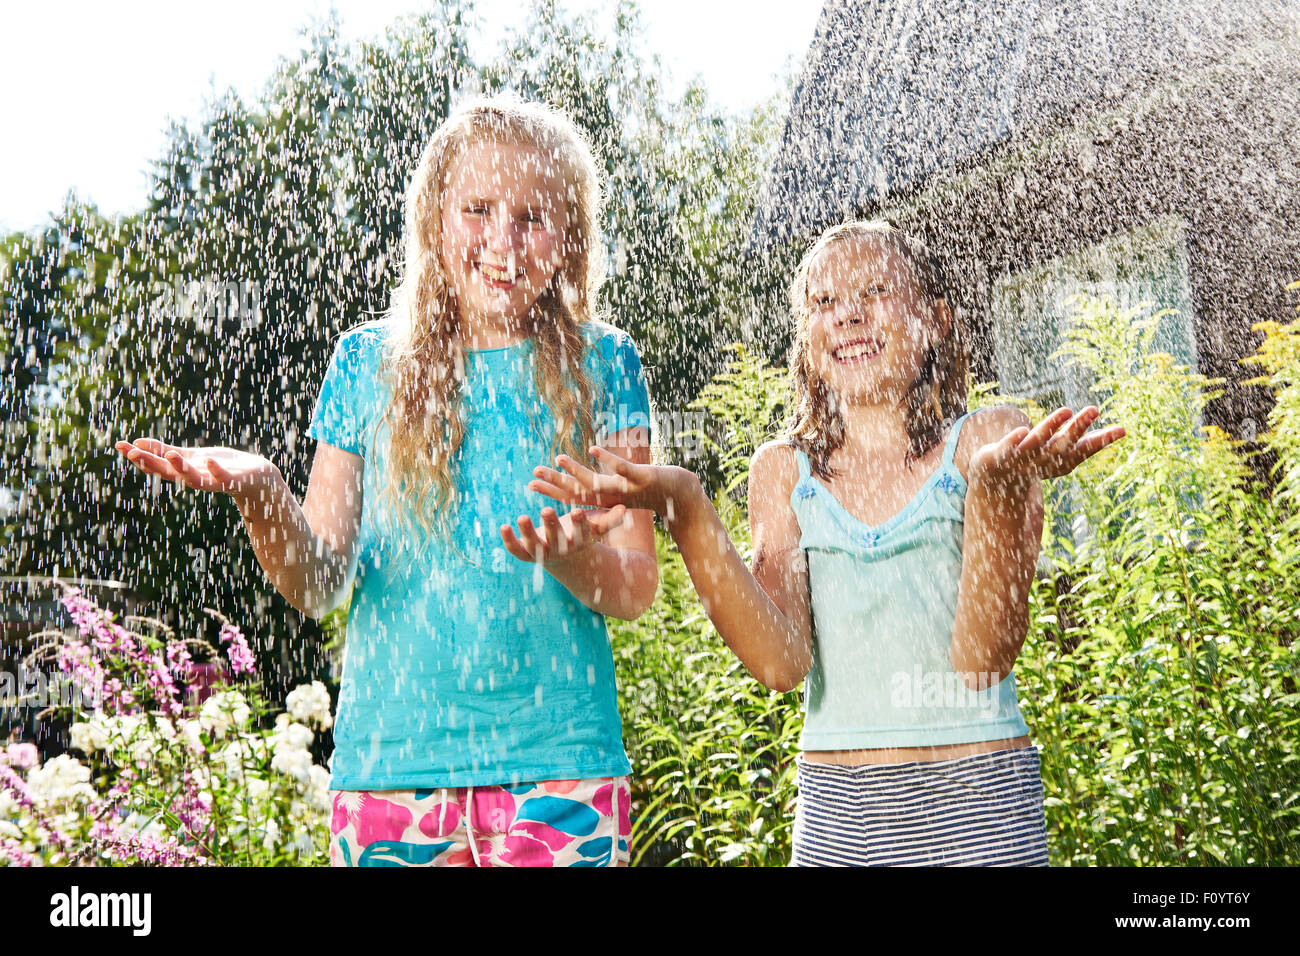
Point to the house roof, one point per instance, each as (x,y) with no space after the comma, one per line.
(893,91)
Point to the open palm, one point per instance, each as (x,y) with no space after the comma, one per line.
(1052,449)
(237,473)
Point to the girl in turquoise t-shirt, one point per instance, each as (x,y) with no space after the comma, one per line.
(895,537)
(477,720)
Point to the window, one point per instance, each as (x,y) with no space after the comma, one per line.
(1030,313)
(1030,310)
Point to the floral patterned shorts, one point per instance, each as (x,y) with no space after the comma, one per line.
(553,823)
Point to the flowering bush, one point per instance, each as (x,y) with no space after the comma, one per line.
(158,782)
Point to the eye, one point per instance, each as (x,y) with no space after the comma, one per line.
(477,209)
(823,301)
(877,289)
(533,218)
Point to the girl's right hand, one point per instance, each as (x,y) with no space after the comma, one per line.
(653,487)
(239,474)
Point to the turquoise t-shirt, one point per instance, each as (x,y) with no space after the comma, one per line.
(465,666)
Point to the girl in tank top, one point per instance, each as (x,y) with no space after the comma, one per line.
(894,537)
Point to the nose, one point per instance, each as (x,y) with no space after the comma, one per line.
(850,312)
(502,236)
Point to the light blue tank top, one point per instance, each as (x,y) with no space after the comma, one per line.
(884,598)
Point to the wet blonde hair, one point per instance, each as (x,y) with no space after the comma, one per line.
(425,362)
(936,397)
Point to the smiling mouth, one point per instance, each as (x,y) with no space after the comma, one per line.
(858,350)
(501,276)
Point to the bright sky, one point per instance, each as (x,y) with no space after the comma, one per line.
(87,85)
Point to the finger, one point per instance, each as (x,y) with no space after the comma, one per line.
(1091,444)
(616,464)
(604,522)
(555,533)
(529,546)
(186,471)
(528,533)
(1070,435)
(1011,446)
(559,494)
(152,464)
(513,544)
(570,486)
(602,487)
(577,469)
(1042,433)
(154,446)
(219,471)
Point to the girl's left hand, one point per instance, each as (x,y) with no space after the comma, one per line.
(561,537)
(1046,451)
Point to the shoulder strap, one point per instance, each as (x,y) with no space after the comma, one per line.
(950,448)
(802,457)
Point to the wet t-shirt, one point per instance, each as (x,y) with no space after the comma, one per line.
(465,666)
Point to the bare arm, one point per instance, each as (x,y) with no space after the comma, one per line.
(1003,529)
(762,615)
(1000,542)
(308,551)
(614,572)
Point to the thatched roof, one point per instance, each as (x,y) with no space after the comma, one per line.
(893,91)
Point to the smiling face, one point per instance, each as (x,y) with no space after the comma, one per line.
(504,221)
(869,323)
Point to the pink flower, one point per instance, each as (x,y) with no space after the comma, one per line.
(241,658)
(23,755)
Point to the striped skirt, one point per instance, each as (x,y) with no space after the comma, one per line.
(981,810)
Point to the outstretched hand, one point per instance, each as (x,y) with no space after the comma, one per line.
(625,483)
(561,537)
(1052,449)
(237,473)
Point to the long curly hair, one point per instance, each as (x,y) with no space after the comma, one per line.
(424,361)
(936,397)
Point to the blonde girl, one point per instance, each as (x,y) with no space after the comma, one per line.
(477,719)
(895,536)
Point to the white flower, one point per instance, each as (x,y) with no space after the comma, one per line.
(318,787)
(257,787)
(289,735)
(119,730)
(295,762)
(272,833)
(90,735)
(164,728)
(310,704)
(223,711)
(63,778)
(81,738)
(147,825)
(143,748)
(190,731)
(244,753)
(8,809)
